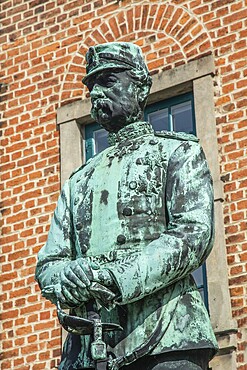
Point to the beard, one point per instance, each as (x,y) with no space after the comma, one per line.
(114,116)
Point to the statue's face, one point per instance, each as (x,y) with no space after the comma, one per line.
(114,96)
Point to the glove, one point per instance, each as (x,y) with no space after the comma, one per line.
(81,281)
(103,287)
(75,280)
(102,276)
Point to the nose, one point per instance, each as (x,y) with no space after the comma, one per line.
(97,92)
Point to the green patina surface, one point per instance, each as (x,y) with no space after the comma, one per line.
(131,225)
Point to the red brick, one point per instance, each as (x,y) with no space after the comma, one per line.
(239,55)
(9,314)
(10,353)
(236,16)
(237,302)
(236,238)
(220,3)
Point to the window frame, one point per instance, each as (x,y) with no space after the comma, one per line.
(169,103)
(196,76)
(89,130)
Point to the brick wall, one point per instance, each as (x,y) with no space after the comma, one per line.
(43,44)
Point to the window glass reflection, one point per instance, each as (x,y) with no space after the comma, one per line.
(159,120)
(100,140)
(182,117)
(198,276)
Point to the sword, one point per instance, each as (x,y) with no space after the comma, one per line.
(93,326)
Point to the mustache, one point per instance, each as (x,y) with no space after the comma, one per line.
(100,102)
(101,107)
(123,111)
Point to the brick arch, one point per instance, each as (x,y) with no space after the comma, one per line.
(168,34)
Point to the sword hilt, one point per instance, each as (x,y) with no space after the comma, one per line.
(80,326)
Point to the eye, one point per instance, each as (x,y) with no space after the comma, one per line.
(110,80)
(90,85)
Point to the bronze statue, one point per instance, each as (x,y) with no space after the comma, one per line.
(129,228)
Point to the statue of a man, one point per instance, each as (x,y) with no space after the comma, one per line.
(130,227)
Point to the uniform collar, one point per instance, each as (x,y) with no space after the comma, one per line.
(132,131)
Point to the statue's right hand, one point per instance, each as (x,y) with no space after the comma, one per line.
(74,281)
(77,274)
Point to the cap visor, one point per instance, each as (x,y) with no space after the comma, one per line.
(102,68)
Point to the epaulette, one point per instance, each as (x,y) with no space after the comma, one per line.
(77,170)
(177,135)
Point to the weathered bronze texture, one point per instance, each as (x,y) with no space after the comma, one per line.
(129,228)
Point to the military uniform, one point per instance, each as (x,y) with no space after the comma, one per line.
(143,210)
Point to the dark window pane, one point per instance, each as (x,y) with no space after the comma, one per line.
(182,117)
(100,140)
(198,276)
(159,120)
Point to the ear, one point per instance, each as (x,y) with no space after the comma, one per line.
(143,94)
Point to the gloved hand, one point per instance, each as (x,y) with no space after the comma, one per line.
(75,280)
(82,280)
(102,276)
(103,288)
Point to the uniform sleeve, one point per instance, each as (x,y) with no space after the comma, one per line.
(188,239)
(57,251)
